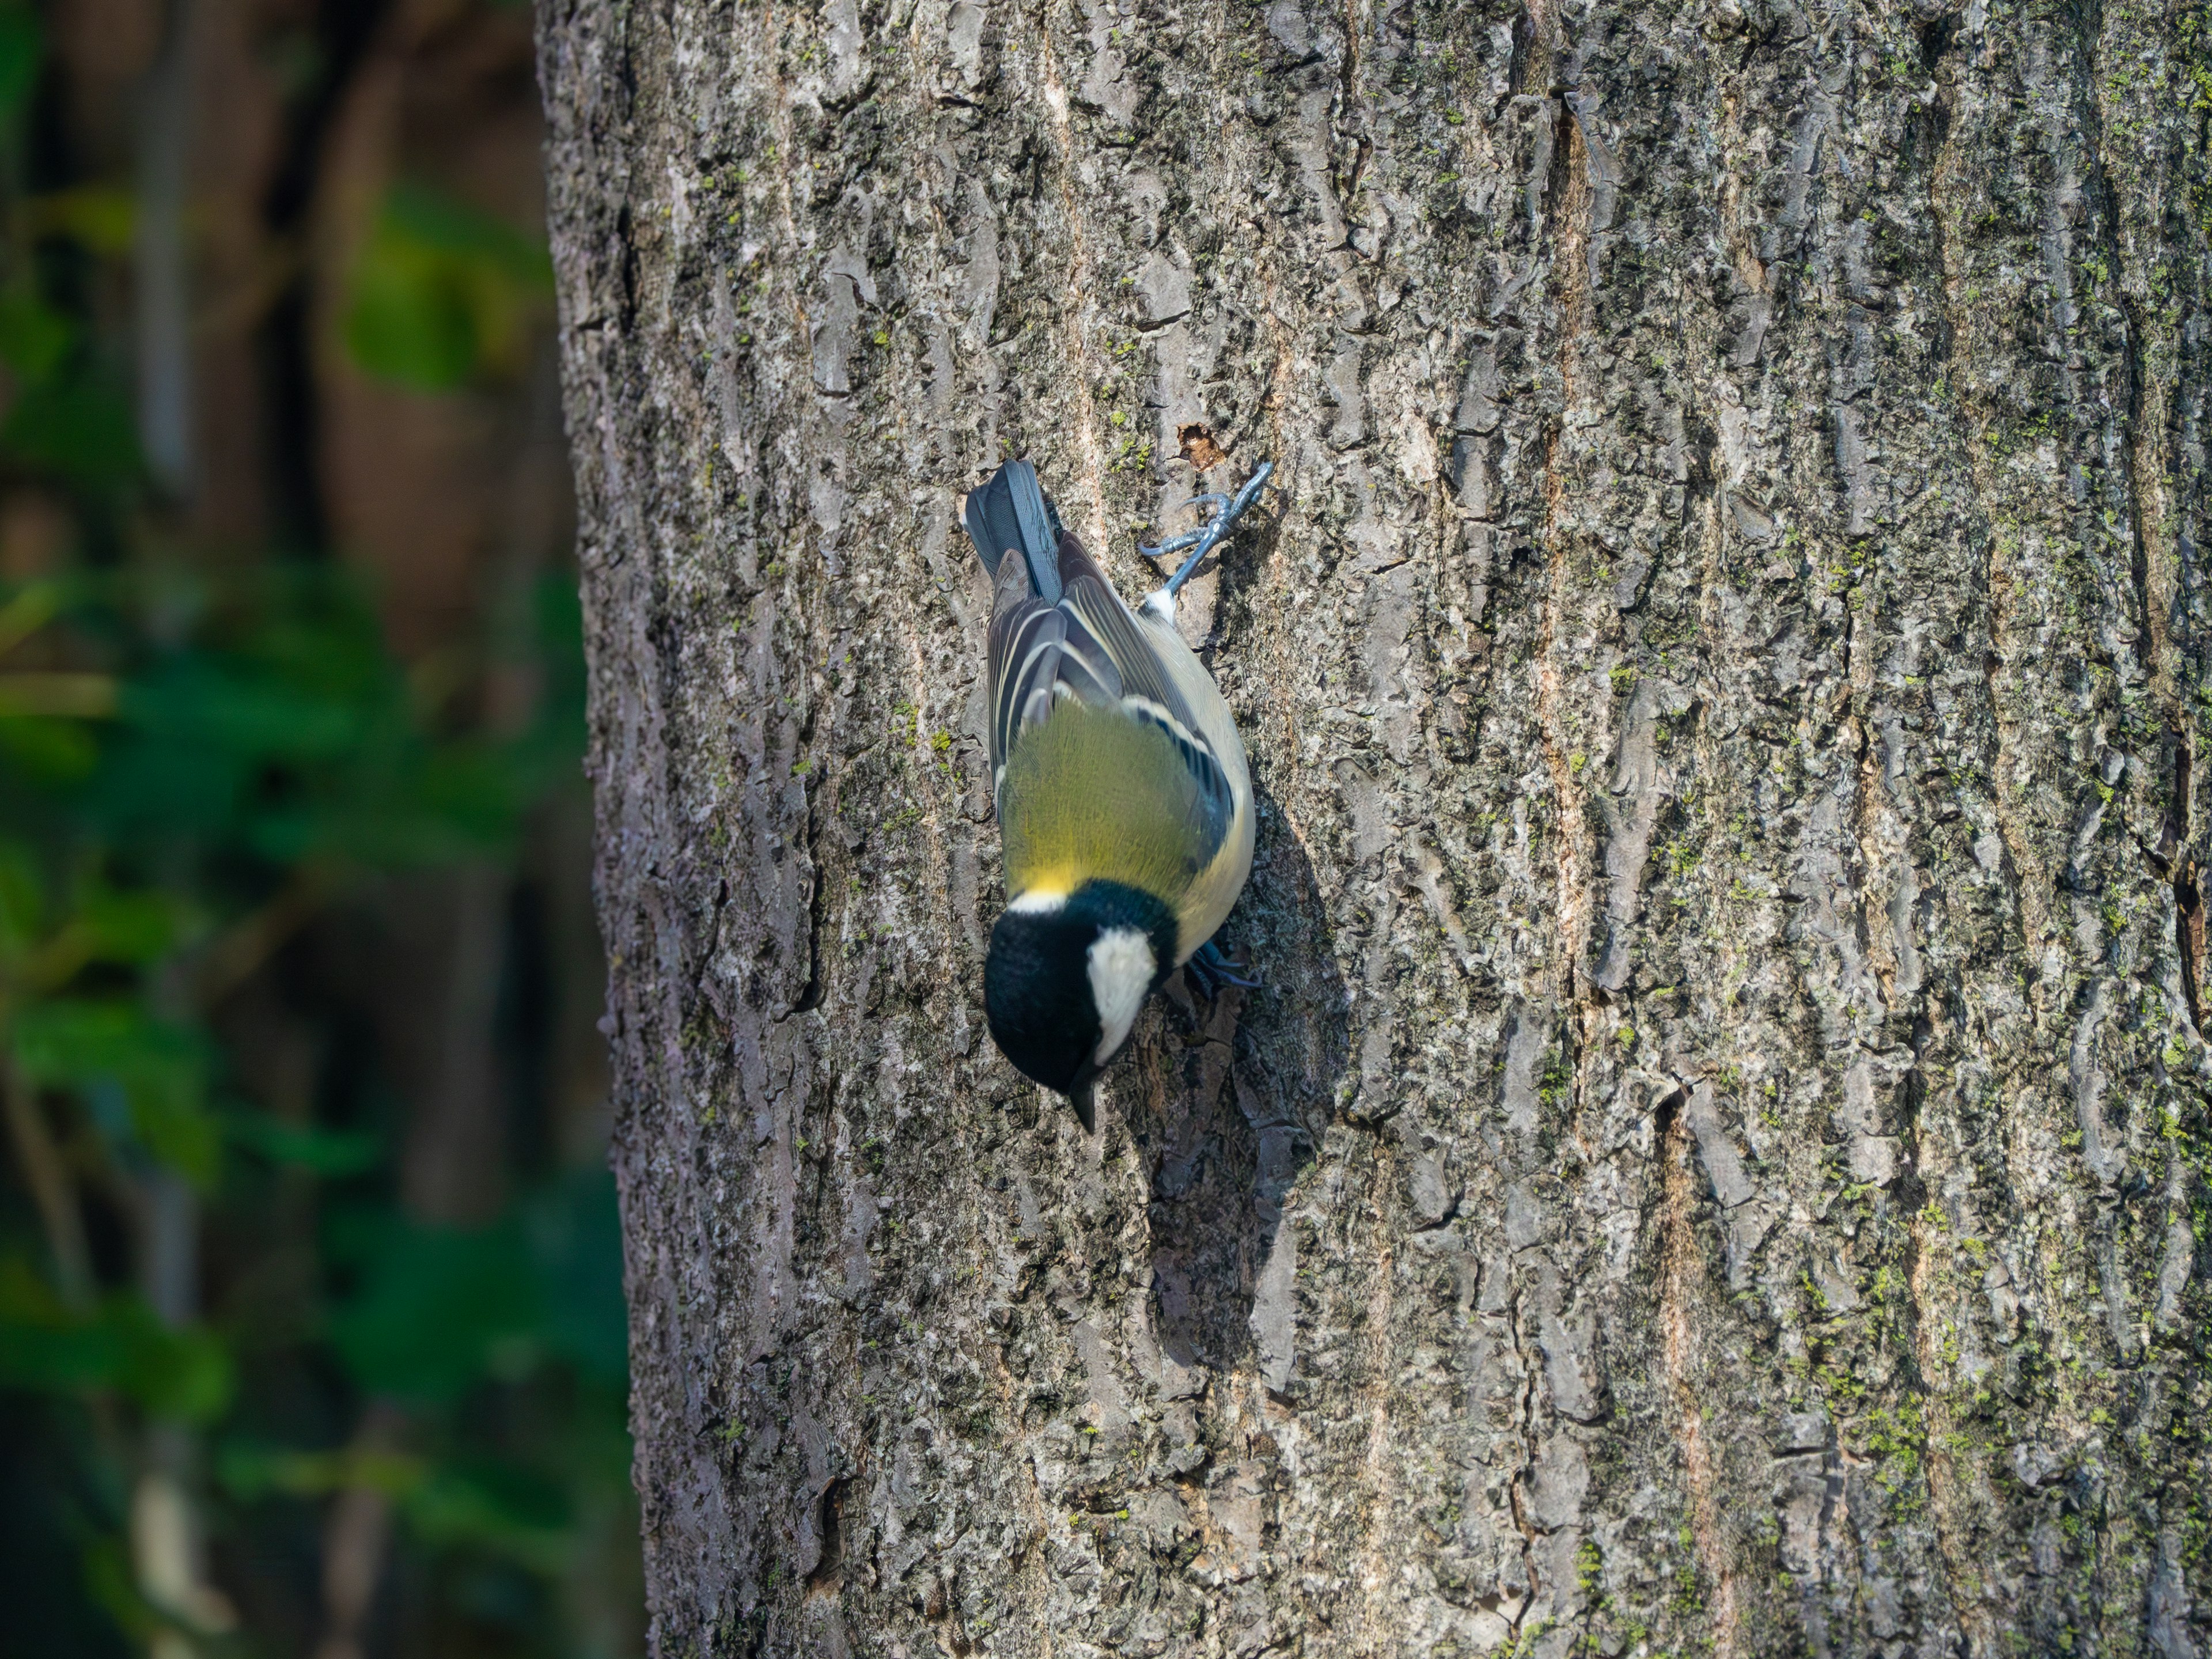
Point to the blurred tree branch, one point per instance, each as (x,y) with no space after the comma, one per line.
(52,1189)
(241,950)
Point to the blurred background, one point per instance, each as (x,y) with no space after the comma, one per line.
(311,1327)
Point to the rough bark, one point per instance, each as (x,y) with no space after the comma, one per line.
(1720,1160)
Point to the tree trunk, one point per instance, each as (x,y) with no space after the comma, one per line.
(1720,1159)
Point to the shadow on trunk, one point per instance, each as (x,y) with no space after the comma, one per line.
(1236,1096)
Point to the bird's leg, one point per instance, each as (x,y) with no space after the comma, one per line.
(1189,538)
(1218,960)
(1202,541)
(1174,545)
(1212,970)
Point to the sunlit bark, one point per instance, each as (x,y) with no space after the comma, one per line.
(1719,1156)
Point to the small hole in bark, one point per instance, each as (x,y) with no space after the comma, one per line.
(1517,67)
(1935,38)
(2188,925)
(1199,447)
(826,1523)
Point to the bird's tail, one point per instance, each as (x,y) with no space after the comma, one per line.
(1012,512)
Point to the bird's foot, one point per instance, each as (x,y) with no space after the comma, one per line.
(1209,971)
(1200,542)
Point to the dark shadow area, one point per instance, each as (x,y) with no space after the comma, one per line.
(1244,1089)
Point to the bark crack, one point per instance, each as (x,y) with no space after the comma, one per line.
(1528,1425)
(2174,860)
(1572,197)
(2151,576)
(1079,281)
(2025,876)
(1383,1517)
(1681,1265)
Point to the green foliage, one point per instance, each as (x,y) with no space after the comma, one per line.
(115,1050)
(99,220)
(180,1376)
(443,294)
(35,339)
(73,421)
(191,761)
(279,723)
(262,736)
(439,1308)
(21,49)
(318,1152)
(512,1510)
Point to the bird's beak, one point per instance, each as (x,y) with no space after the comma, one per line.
(1083,1095)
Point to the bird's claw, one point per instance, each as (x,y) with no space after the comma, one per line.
(1226,511)
(1174,545)
(1209,970)
(1189,538)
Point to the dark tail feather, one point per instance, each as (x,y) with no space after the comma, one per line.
(1012,511)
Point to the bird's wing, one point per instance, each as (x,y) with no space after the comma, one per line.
(1059,631)
(1040,652)
(1101,631)
(1027,640)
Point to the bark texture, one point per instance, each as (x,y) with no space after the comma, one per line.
(1720,1160)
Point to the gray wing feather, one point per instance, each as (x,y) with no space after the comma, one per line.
(1099,624)
(1090,648)
(1025,645)
(1096,613)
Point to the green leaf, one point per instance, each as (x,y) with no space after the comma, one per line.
(473,787)
(442,292)
(169,787)
(102,218)
(176,1131)
(112,1585)
(30,608)
(22,900)
(35,338)
(120,926)
(49,751)
(232,708)
(249,1471)
(496,1506)
(76,426)
(22,50)
(80,1041)
(440,1308)
(321,1152)
(184,1374)
(433,220)
(161,1068)
(420,806)
(411,322)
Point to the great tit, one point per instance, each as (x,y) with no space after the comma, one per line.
(1125,808)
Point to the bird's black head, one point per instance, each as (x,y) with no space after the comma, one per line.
(1065,978)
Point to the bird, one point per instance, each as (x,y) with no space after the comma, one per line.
(1124,800)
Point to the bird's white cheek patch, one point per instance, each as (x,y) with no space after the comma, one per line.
(1121,966)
